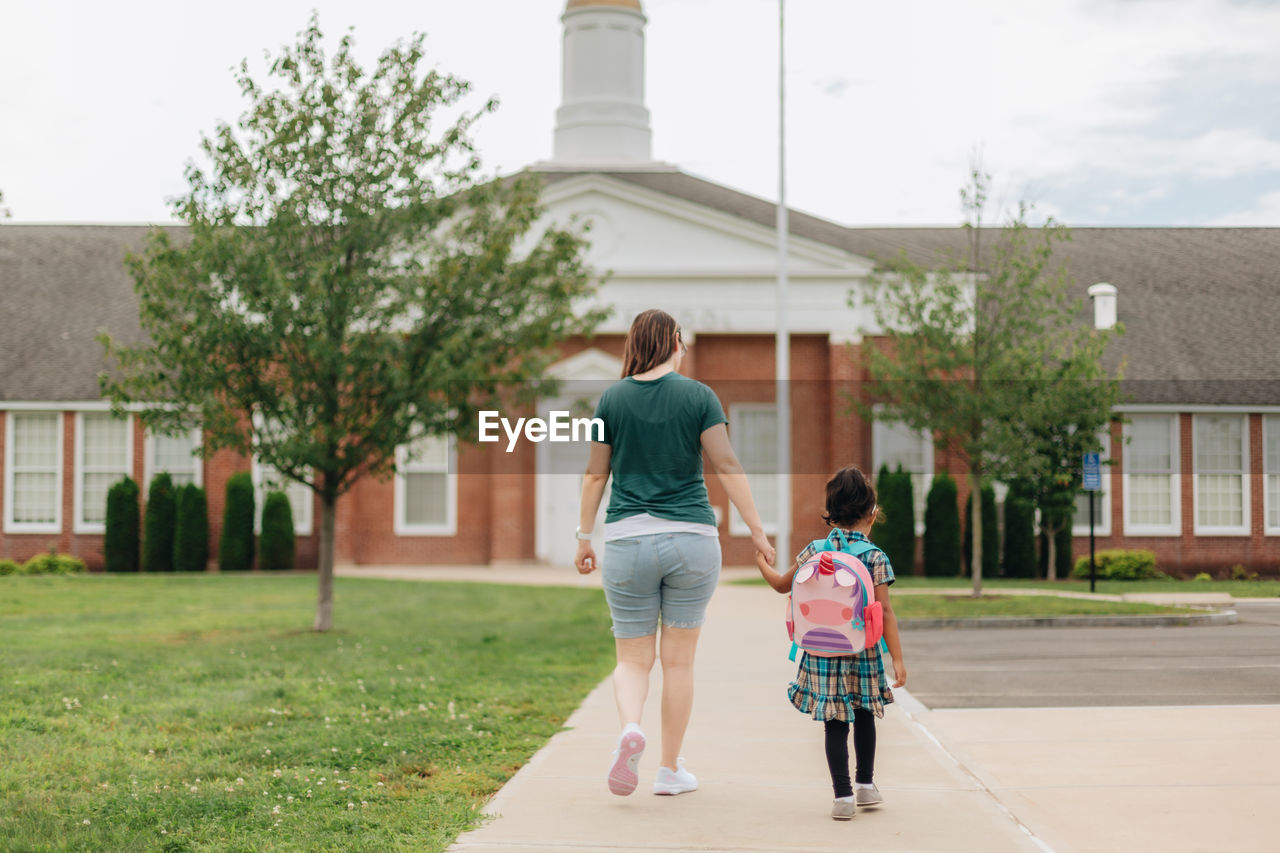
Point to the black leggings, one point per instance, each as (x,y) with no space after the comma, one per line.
(864,750)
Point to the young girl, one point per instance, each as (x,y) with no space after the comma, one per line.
(847,688)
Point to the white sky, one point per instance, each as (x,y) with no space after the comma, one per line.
(1125,112)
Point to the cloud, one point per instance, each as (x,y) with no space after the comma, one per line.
(1264,212)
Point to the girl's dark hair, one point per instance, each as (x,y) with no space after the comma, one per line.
(850,498)
(650,342)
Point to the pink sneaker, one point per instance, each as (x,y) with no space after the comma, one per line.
(622,776)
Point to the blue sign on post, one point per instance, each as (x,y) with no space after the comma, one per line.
(1092,472)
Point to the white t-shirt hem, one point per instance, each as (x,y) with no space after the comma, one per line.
(644,524)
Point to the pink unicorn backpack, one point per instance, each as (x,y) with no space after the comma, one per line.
(832,609)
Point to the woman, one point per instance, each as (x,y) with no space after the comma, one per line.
(662,548)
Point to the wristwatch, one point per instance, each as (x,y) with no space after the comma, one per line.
(585,537)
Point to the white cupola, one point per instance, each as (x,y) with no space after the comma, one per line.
(602,118)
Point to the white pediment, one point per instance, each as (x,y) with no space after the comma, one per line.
(591,364)
(635,231)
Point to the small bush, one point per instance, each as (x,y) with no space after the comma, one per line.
(1240,573)
(1203,576)
(942,528)
(235,548)
(53,564)
(895,530)
(10,567)
(276,545)
(191,530)
(1121,565)
(990,533)
(120,545)
(157,540)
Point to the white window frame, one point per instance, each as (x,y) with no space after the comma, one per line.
(1243,528)
(1174,528)
(405,466)
(1102,501)
(197,463)
(1270,432)
(738,527)
(80,525)
(880,430)
(11,526)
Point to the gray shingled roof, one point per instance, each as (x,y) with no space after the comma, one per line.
(1200,305)
(60,286)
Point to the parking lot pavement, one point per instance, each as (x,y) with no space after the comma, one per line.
(1054,667)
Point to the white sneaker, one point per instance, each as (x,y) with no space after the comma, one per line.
(622,775)
(678,781)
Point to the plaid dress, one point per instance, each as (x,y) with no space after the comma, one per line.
(831,688)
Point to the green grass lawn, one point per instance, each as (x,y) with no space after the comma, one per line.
(200,712)
(1025,606)
(1238,589)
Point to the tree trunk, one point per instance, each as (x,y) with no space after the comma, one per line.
(324,598)
(975,490)
(1051,534)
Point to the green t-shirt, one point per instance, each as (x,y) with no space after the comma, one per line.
(655,431)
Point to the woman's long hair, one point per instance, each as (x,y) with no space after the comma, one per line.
(650,342)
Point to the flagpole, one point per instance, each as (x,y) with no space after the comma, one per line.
(782,345)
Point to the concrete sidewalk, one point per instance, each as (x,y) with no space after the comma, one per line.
(763,782)
(1198,778)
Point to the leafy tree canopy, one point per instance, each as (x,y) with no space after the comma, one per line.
(348,280)
(986,352)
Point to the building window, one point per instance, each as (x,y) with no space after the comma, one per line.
(1271,470)
(103,458)
(33,472)
(753,432)
(267,479)
(426,488)
(1101,500)
(1152,499)
(895,444)
(1221,472)
(175,455)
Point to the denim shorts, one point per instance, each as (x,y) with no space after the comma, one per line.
(671,575)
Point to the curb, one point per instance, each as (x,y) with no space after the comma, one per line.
(1221,617)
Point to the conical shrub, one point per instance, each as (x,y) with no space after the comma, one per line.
(191,530)
(120,544)
(942,528)
(276,545)
(158,526)
(235,547)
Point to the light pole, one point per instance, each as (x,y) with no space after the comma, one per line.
(782,345)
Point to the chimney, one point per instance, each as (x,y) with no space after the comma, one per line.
(1103,296)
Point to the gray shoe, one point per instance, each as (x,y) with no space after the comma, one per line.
(869,796)
(843,811)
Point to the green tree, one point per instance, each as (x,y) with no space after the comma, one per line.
(991,546)
(895,530)
(976,345)
(120,543)
(1020,559)
(942,528)
(349,282)
(191,530)
(158,525)
(276,544)
(235,547)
